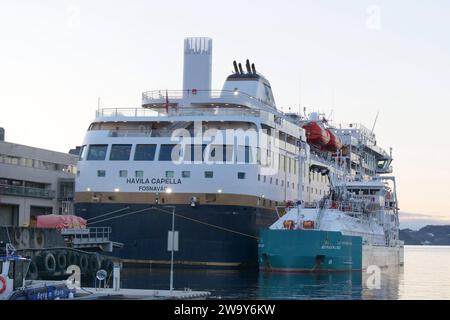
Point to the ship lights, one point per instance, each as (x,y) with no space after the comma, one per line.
(116,190)
(194,202)
(88,189)
(219,191)
(169,190)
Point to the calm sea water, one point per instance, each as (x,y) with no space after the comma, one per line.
(426,275)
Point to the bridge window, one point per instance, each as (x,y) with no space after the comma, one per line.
(241,175)
(220,153)
(120,152)
(244,154)
(97,152)
(194,152)
(82,153)
(145,152)
(169,152)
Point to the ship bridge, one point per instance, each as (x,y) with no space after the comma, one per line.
(360,146)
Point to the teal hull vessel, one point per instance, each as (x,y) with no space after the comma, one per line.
(308,251)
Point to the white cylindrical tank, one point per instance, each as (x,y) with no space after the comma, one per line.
(197,71)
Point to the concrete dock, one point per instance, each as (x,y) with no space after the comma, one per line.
(138,294)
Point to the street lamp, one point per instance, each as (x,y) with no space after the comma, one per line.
(172,247)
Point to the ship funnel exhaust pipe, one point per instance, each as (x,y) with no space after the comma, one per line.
(247,65)
(197,69)
(253,68)
(240,69)
(236,70)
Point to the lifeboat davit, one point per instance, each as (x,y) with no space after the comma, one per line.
(335,143)
(316,134)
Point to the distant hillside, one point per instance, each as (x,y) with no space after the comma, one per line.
(429,235)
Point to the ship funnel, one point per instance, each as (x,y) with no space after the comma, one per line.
(253,68)
(247,65)
(240,69)
(236,70)
(197,71)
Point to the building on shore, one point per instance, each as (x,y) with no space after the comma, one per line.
(34,182)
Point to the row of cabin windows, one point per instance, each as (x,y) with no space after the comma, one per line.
(192,152)
(168,174)
(268,158)
(167,152)
(271,180)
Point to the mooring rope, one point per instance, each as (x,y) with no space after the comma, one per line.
(179,216)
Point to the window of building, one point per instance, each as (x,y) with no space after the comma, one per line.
(123,173)
(265,178)
(209,174)
(101,173)
(282,183)
(259,177)
(145,152)
(78,173)
(120,152)
(139,174)
(276,181)
(271,179)
(241,175)
(169,152)
(186,174)
(97,152)
(288,184)
(169,174)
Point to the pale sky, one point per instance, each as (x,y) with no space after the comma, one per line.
(353,57)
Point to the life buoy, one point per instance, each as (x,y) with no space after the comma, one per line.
(2,284)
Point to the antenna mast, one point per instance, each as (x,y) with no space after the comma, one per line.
(375,122)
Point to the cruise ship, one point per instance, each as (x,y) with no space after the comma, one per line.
(224,162)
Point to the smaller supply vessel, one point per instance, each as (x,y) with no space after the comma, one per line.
(353,227)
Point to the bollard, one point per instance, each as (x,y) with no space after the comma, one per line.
(116,276)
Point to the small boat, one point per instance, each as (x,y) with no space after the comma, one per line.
(13,283)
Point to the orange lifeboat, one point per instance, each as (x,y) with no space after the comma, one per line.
(335,143)
(316,135)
